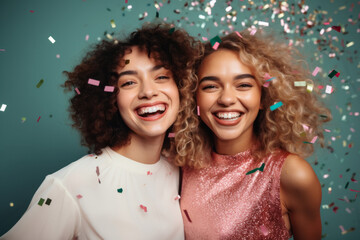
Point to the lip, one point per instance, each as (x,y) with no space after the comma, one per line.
(228,122)
(155,116)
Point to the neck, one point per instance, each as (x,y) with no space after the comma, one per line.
(234,146)
(141,149)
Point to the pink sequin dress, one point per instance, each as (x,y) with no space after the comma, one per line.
(222,202)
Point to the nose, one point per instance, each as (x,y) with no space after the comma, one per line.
(148,89)
(227,97)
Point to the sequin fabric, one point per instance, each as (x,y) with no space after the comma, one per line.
(222,202)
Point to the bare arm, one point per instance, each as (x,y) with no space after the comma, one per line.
(301,193)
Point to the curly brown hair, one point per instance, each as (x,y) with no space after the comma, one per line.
(95,112)
(284,128)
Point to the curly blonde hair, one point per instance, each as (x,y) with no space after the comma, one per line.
(290,127)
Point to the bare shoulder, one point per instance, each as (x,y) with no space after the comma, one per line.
(299,181)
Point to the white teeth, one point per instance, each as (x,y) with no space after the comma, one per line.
(229,115)
(153,109)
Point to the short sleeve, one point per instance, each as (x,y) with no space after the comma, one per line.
(52,214)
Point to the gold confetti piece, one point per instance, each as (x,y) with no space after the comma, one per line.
(40,83)
(112,22)
(11,204)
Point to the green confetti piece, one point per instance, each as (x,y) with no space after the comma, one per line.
(48,201)
(215,40)
(332,74)
(261,169)
(40,83)
(41,201)
(347,184)
(171,31)
(120,190)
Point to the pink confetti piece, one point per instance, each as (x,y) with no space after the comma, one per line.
(326,176)
(314,139)
(237,33)
(177,197)
(79,196)
(93,82)
(342,228)
(216,45)
(204,38)
(97,171)
(109,89)
(264,230)
(348,210)
(38,119)
(32,11)
(149,173)
(266,76)
(337,74)
(335,209)
(267,84)
(57,55)
(77,91)
(171,135)
(253,31)
(315,72)
(327,130)
(143,208)
(198,110)
(2,50)
(87,37)
(126,1)
(354,190)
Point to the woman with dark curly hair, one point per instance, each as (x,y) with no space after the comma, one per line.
(128,95)
(244,174)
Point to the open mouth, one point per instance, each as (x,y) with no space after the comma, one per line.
(150,111)
(228,116)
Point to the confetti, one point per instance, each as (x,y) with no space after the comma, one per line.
(309,87)
(177,197)
(93,82)
(314,139)
(40,83)
(237,33)
(171,31)
(270,79)
(261,168)
(275,106)
(354,190)
(216,45)
(264,230)
(11,204)
(112,22)
(329,89)
(266,84)
(23,119)
(79,196)
(315,72)
(336,28)
(120,190)
(171,135)
(3,107)
(215,40)
(300,83)
(38,119)
(149,173)
(143,208)
(97,171)
(253,31)
(77,91)
(261,23)
(87,37)
(332,74)
(109,89)
(349,44)
(198,110)
(51,39)
(48,201)
(41,201)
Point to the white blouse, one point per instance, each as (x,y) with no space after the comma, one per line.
(105,197)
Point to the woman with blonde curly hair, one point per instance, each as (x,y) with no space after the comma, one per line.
(244,176)
(128,95)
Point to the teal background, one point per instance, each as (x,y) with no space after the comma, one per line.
(31,149)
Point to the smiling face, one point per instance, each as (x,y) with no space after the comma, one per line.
(148,97)
(229,100)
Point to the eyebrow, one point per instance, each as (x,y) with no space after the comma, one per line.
(237,77)
(132,72)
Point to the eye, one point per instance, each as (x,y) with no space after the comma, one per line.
(209,87)
(127,83)
(162,77)
(244,85)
